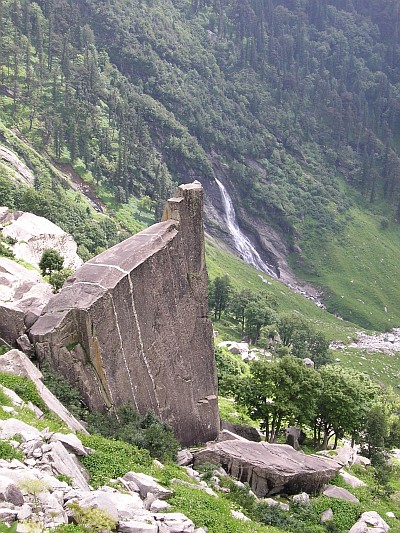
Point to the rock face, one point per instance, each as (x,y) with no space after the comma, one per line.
(131,325)
(33,234)
(16,362)
(22,298)
(270,468)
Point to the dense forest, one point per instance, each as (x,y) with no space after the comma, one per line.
(296,99)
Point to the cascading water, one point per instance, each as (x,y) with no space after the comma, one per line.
(242,244)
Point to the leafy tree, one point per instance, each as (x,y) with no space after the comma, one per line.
(345,399)
(376,430)
(219,294)
(277,392)
(50,261)
(257,315)
(58,277)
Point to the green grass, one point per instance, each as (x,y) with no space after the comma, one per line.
(243,276)
(382,368)
(359,269)
(233,413)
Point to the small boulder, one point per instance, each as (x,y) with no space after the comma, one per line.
(71,443)
(342,494)
(302,499)
(184,458)
(326,516)
(370,522)
(239,516)
(9,492)
(352,481)
(147,484)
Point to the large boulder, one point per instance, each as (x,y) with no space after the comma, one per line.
(244,431)
(32,235)
(23,295)
(270,468)
(131,327)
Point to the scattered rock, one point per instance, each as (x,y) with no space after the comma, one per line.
(147,484)
(342,494)
(295,437)
(353,481)
(71,443)
(370,522)
(239,516)
(326,516)
(390,515)
(302,499)
(184,458)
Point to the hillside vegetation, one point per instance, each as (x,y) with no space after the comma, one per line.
(297,100)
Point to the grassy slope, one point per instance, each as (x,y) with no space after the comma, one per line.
(359,268)
(243,276)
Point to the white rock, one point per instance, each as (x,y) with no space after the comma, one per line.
(147,484)
(239,516)
(67,464)
(158,506)
(175,522)
(9,492)
(12,426)
(301,499)
(137,526)
(70,442)
(34,234)
(390,515)
(24,512)
(353,481)
(7,515)
(326,516)
(342,494)
(184,458)
(370,522)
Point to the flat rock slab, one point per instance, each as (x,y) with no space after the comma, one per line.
(270,468)
(340,493)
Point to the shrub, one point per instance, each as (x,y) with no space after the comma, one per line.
(8,452)
(144,431)
(92,519)
(24,387)
(51,260)
(111,459)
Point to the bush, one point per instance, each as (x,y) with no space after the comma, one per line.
(24,387)
(92,519)
(111,459)
(144,431)
(51,260)
(8,452)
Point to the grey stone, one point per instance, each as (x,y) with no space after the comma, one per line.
(147,484)
(352,481)
(175,522)
(9,492)
(67,464)
(370,522)
(270,468)
(24,344)
(135,344)
(7,515)
(136,526)
(71,443)
(326,516)
(184,457)
(342,494)
(244,431)
(22,291)
(301,499)
(294,437)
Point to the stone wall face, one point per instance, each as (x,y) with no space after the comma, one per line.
(131,324)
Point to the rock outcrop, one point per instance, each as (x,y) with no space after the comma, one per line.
(131,326)
(23,294)
(270,468)
(31,235)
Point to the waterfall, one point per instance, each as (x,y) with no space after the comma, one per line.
(242,244)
